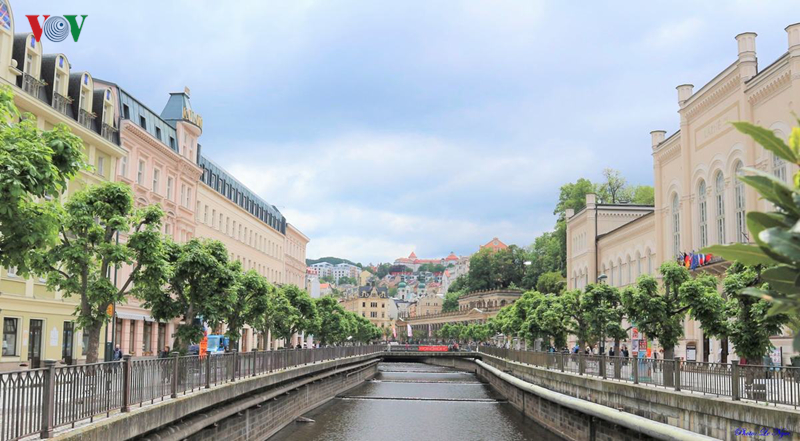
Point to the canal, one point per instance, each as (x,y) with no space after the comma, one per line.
(415,401)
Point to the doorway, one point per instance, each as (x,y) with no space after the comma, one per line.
(35,343)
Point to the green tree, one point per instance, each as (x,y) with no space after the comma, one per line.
(612,189)
(334,324)
(642,195)
(604,313)
(249,302)
(200,288)
(86,254)
(307,319)
(551,283)
(545,255)
(577,311)
(34,165)
(450,302)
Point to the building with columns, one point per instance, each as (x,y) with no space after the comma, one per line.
(698,201)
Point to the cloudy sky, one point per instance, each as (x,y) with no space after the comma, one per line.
(382,127)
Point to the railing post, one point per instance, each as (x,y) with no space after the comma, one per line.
(48,398)
(235,364)
(677,374)
(735,373)
(581,363)
(603,365)
(208,369)
(174,385)
(634,368)
(561,362)
(126,382)
(255,358)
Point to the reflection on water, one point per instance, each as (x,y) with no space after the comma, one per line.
(386,409)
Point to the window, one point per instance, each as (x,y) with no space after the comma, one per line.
(10,337)
(123,166)
(156,178)
(188,203)
(205,216)
(702,206)
(739,204)
(84,104)
(720,198)
(630,270)
(619,274)
(183,194)
(143,122)
(140,173)
(101,165)
(57,84)
(170,182)
(363,304)
(172,143)
(126,111)
(676,226)
(779,167)
(29,62)
(168,229)
(158,133)
(373,314)
(12,271)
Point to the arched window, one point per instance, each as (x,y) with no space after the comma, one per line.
(630,271)
(619,275)
(779,167)
(720,198)
(638,264)
(702,206)
(738,195)
(676,226)
(611,273)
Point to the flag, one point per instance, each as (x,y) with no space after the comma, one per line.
(394,331)
(409,330)
(429,331)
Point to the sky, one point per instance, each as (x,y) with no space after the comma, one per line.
(383,127)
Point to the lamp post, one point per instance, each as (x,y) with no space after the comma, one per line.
(601,279)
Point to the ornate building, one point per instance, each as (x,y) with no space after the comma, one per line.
(370,302)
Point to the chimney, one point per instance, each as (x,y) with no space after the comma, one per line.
(591,200)
(793,31)
(746,43)
(657,137)
(570,212)
(684,93)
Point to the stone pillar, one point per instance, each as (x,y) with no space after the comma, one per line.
(139,338)
(154,338)
(748,68)
(125,343)
(685,92)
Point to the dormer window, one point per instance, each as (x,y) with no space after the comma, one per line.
(33,42)
(85,79)
(60,61)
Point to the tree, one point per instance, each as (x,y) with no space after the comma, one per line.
(334,323)
(345,280)
(577,311)
(612,188)
(742,318)
(551,283)
(553,320)
(200,288)
(34,165)
(383,270)
(642,195)
(774,233)
(307,319)
(459,285)
(249,302)
(545,255)
(87,252)
(450,302)
(604,313)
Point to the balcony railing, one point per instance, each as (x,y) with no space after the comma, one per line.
(31,85)
(85,118)
(108,132)
(60,102)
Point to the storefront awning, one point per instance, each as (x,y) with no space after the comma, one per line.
(134,316)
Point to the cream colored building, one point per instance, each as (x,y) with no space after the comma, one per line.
(39,324)
(698,201)
(295,256)
(429,304)
(370,302)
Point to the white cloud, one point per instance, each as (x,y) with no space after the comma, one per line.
(673,35)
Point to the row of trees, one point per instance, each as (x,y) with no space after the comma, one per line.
(77,248)
(595,314)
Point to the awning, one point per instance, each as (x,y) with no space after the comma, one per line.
(134,316)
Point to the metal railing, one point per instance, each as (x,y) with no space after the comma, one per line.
(37,401)
(85,118)
(767,384)
(107,132)
(31,84)
(60,102)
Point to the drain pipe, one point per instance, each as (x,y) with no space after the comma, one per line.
(640,424)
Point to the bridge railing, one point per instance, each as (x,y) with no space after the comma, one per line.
(760,383)
(37,401)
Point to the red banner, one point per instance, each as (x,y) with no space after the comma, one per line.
(440,348)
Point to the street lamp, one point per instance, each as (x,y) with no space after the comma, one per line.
(602,278)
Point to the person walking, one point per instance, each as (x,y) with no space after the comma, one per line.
(117,353)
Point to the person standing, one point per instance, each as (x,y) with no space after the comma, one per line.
(117,353)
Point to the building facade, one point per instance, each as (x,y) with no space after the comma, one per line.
(295,256)
(39,324)
(698,200)
(370,302)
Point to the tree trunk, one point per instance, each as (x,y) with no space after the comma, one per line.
(93,350)
(669,367)
(617,360)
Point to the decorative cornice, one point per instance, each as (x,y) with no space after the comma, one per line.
(771,87)
(668,153)
(712,97)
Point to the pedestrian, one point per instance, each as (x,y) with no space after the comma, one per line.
(611,352)
(625,352)
(117,353)
(165,368)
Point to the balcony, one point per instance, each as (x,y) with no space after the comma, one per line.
(108,132)
(31,85)
(85,118)
(60,102)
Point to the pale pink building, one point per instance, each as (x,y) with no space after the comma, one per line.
(161,167)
